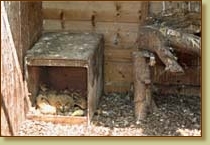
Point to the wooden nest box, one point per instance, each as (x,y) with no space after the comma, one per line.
(66,62)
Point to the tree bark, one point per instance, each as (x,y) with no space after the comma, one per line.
(152,40)
(142,86)
(166,34)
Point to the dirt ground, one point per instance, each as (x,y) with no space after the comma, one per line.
(177,115)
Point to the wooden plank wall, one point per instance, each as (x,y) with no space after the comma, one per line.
(16,39)
(119,22)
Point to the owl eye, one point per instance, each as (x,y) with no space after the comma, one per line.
(43,99)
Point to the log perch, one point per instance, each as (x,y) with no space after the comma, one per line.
(152,40)
(164,35)
(142,86)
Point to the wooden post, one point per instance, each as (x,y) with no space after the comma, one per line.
(142,86)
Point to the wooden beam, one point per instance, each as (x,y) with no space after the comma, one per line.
(58,119)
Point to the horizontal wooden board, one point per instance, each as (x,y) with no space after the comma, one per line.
(117,69)
(87,25)
(158,88)
(99,7)
(98,16)
(97,11)
(192,76)
(109,5)
(114,81)
(51,25)
(120,72)
(116,87)
(118,76)
(117,54)
(188,60)
(114,11)
(58,119)
(121,53)
(114,33)
(181,90)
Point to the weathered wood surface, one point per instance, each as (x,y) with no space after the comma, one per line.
(121,72)
(118,21)
(143,101)
(30,24)
(162,36)
(12,9)
(12,86)
(20,28)
(64,46)
(191,77)
(66,60)
(120,33)
(181,29)
(115,34)
(65,120)
(118,54)
(179,89)
(152,40)
(26,25)
(108,11)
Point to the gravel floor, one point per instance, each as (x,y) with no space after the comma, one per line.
(177,115)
